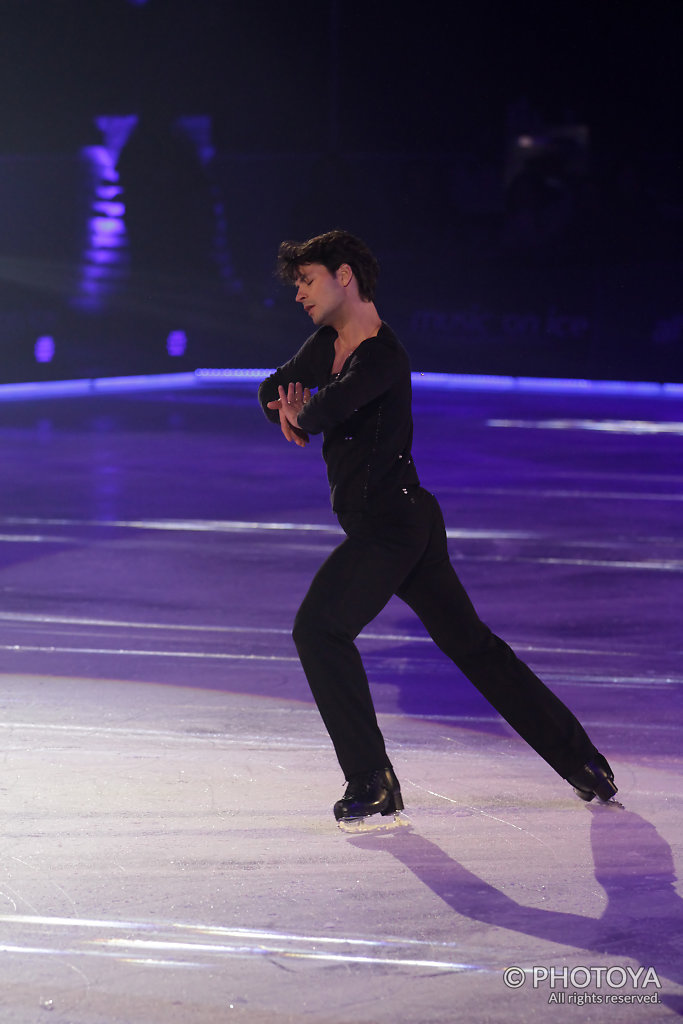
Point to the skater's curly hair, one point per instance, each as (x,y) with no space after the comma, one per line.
(331,249)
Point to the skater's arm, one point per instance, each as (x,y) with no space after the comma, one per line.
(373,368)
(289,404)
(295,371)
(303,369)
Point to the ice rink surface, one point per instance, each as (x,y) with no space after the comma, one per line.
(168,852)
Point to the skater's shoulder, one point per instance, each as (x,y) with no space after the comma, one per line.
(319,344)
(387,340)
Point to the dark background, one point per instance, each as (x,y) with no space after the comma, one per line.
(517,168)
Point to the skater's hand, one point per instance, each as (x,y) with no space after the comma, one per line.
(289,405)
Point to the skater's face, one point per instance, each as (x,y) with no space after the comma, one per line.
(323,294)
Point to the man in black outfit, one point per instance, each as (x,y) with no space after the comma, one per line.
(395,535)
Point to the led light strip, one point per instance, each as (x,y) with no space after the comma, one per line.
(438,381)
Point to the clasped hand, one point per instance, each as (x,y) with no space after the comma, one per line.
(289,405)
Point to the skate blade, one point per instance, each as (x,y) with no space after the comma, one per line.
(373,823)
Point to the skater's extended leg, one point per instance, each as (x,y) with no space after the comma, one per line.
(435,593)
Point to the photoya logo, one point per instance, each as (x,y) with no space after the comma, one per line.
(559,979)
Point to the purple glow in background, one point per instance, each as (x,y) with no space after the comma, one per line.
(176,343)
(44,349)
(157,160)
(105,256)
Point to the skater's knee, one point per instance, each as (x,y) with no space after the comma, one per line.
(308,625)
(314,623)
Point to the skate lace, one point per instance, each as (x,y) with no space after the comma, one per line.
(360,785)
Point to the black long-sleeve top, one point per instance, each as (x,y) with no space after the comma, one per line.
(363,412)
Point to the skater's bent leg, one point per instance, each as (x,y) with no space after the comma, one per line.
(348,591)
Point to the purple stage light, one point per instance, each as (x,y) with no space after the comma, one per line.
(44,349)
(105,255)
(176,343)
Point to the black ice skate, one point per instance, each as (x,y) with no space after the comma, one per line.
(372,793)
(595,778)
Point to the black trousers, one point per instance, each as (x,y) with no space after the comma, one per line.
(401,549)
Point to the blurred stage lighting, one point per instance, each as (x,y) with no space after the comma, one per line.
(44,349)
(176,343)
